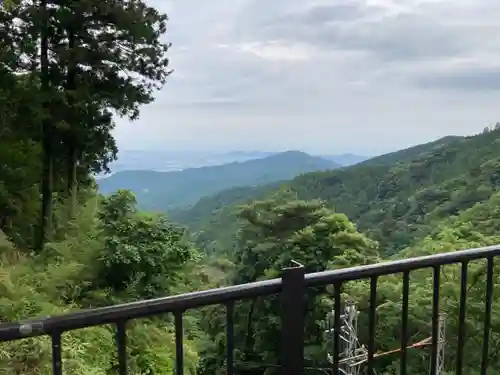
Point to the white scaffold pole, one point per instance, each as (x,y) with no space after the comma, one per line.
(441,342)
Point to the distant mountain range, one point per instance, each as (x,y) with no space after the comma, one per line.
(167,161)
(162,191)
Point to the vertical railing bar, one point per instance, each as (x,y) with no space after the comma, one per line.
(121,343)
(336,327)
(461,318)
(371,324)
(56,353)
(293,320)
(487,315)
(435,320)
(404,322)
(230,337)
(179,345)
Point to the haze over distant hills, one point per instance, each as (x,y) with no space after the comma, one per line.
(160,191)
(346,160)
(166,161)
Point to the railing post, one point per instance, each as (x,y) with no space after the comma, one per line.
(293,320)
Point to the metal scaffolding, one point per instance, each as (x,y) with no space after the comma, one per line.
(440,344)
(353,354)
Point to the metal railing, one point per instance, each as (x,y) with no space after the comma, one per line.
(294,283)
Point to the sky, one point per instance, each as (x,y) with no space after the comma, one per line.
(322,76)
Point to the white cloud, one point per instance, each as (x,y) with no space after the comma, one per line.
(325,75)
(277,51)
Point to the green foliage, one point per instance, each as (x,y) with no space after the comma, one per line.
(68,276)
(83,61)
(220,210)
(142,252)
(276,231)
(20,165)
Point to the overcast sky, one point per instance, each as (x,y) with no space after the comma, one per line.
(323,76)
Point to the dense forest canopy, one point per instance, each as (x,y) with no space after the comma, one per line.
(67,70)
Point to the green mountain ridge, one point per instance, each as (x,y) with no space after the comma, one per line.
(162,191)
(392,198)
(210,204)
(410,153)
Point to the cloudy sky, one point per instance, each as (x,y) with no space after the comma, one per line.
(329,76)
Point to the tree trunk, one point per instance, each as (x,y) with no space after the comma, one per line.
(248,352)
(47,191)
(47,172)
(3,222)
(72,181)
(71,137)
(249,337)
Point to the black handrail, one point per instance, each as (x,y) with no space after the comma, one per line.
(292,288)
(399,266)
(133,310)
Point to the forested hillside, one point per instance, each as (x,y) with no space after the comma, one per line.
(161,191)
(392,203)
(408,154)
(68,69)
(210,214)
